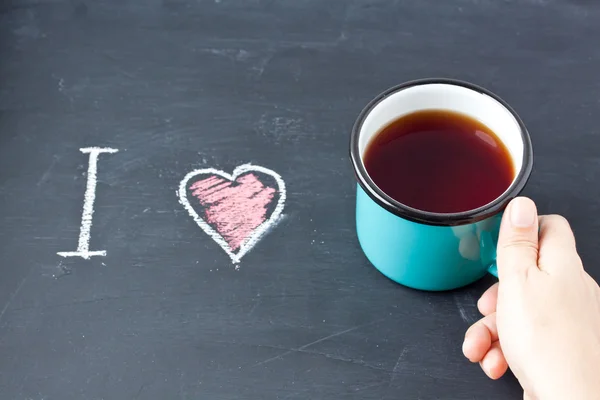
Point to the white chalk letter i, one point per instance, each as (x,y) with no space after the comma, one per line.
(83,247)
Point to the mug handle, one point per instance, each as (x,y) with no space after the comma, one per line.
(488,252)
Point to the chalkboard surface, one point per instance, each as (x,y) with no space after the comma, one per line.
(177,86)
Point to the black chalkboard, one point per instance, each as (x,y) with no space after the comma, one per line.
(183,85)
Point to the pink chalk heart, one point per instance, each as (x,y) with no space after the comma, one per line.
(234,210)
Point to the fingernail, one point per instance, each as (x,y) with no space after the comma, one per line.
(522,212)
(486,367)
(466,346)
(479,304)
(490,367)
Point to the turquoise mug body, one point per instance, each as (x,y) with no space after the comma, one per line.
(425,250)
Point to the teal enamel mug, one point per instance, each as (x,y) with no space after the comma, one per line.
(423,249)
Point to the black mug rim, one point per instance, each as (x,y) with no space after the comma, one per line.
(427,217)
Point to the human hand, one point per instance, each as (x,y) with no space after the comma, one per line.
(543,317)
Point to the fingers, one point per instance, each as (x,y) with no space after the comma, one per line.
(555,231)
(488,300)
(479,338)
(518,240)
(481,345)
(556,244)
(494,364)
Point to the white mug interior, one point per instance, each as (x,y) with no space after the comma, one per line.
(442,96)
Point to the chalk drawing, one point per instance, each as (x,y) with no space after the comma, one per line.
(232,209)
(83,246)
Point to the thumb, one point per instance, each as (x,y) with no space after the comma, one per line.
(517,250)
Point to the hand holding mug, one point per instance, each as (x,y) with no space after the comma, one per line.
(543,318)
